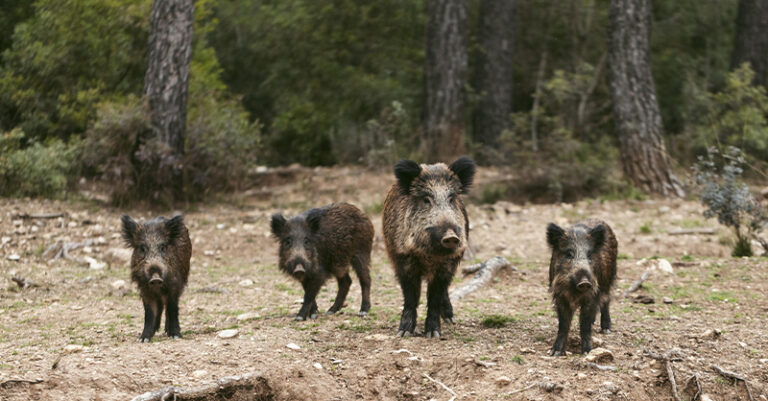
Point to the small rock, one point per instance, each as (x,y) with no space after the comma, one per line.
(664,209)
(706,397)
(73,349)
(94,264)
(599,355)
(209,253)
(527,351)
(763,361)
(293,346)
(247,316)
(643,299)
(246,283)
(118,284)
(665,266)
(711,334)
(610,387)
(14,257)
(231,333)
(317,366)
(743,344)
(503,380)
(667,300)
(221,226)
(5,240)
(597,341)
(200,373)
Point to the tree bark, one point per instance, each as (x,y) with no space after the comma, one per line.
(445,75)
(751,42)
(493,76)
(643,154)
(167,77)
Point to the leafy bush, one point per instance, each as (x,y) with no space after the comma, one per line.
(727,197)
(37,169)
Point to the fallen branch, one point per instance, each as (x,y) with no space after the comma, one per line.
(484,364)
(694,231)
(45,216)
(23,283)
(671,377)
(10,382)
(484,272)
(671,356)
(602,367)
(636,285)
(61,250)
(693,379)
(248,386)
(443,386)
(735,377)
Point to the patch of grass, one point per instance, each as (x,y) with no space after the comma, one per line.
(622,256)
(492,193)
(646,228)
(721,296)
(374,208)
(687,258)
(517,359)
(497,321)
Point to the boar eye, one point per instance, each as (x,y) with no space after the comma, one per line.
(162,247)
(426,200)
(570,254)
(287,242)
(306,241)
(142,249)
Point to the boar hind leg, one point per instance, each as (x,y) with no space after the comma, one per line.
(411,287)
(564,317)
(586,319)
(172,327)
(344,282)
(446,310)
(309,307)
(605,317)
(363,270)
(436,292)
(152,313)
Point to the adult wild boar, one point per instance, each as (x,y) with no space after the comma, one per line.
(581,273)
(160,267)
(426,230)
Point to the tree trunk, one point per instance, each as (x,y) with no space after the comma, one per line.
(445,74)
(751,43)
(493,76)
(635,108)
(167,78)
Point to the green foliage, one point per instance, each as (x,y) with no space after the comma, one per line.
(726,197)
(71,55)
(35,170)
(497,321)
(735,116)
(316,72)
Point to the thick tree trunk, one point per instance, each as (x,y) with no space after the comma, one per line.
(493,76)
(751,43)
(635,108)
(445,74)
(167,77)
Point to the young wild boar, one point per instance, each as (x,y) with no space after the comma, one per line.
(160,267)
(581,273)
(426,230)
(323,242)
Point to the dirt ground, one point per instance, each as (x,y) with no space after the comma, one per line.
(73,335)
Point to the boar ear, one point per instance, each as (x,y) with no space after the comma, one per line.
(129,230)
(278,223)
(554,234)
(174,227)
(464,168)
(406,171)
(598,236)
(313,219)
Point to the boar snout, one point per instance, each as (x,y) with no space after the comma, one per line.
(299,271)
(155,276)
(450,239)
(583,280)
(584,284)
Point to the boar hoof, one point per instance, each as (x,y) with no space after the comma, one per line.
(299,318)
(176,337)
(403,333)
(554,352)
(449,320)
(362,314)
(313,316)
(144,340)
(330,312)
(605,331)
(433,334)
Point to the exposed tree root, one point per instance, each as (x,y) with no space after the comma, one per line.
(735,377)
(484,272)
(249,386)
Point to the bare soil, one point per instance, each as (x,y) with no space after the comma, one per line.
(343,357)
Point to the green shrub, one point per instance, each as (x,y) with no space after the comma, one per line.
(37,169)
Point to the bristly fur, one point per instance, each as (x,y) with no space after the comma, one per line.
(406,171)
(174,226)
(128,231)
(554,234)
(464,168)
(314,217)
(277,224)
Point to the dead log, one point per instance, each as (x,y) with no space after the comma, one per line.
(61,250)
(484,272)
(11,382)
(602,367)
(734,377)
(636,285)
(694,231)
(671,356)
(44,216)
(23,283)
(248,386)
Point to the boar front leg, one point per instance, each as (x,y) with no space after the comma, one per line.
(152,313)
(411,286)
(436,293)
(564,317)
(172,327)
(309,307)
